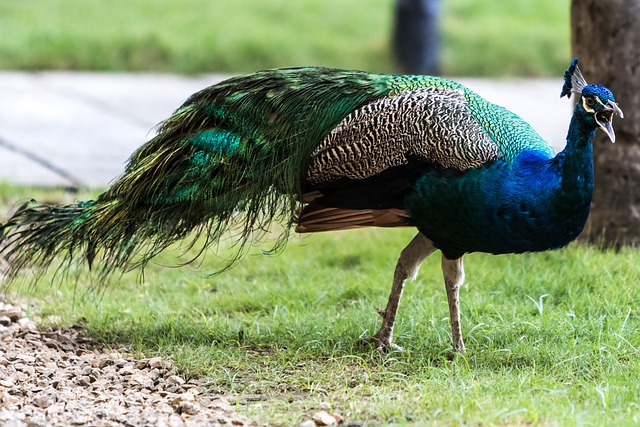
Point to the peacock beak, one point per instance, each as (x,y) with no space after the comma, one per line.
(604,119)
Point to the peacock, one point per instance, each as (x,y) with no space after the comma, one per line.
(319,149)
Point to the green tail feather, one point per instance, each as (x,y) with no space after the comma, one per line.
(234,155)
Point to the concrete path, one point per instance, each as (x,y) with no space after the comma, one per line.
(73,129)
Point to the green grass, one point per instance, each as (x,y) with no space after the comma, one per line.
(479,38)
(552,338)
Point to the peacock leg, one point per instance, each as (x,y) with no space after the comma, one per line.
(407,267)
(453,278)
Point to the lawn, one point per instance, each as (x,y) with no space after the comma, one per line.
(479,38)
(552,338)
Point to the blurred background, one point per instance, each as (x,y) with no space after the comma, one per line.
(477,37)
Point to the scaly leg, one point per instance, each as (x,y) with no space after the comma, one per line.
(453,278)
(407,267)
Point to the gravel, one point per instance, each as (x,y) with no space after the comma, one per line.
(63,378)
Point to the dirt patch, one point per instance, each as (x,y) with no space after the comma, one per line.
(64,378)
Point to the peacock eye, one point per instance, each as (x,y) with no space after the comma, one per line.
(590,100)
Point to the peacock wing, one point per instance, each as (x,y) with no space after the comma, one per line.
(432,126)
(362,169)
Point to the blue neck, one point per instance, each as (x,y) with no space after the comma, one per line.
(575,164)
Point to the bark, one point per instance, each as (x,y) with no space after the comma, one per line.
(606,37)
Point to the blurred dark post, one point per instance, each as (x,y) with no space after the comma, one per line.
(416,36)
(606,38)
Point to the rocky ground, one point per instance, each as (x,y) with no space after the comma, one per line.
(63,378)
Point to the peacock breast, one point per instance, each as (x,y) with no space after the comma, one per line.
(501,207)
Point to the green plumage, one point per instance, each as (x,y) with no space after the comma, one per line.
(233,154)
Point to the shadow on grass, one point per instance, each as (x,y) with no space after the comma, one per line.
(235,337)
(201,345)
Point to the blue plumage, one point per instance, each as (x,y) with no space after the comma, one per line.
(500,208)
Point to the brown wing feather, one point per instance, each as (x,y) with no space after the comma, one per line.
(314,218)
(433,125)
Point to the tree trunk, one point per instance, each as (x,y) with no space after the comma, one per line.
(606,37)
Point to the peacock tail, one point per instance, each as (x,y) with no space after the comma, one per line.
(253,150)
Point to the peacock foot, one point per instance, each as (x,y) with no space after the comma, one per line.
(384,343)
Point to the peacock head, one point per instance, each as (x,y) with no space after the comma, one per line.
(597,104)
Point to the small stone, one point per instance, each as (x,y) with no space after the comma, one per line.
(20,377)
(220,403)
(165,408)
(174,384)
(141,380)
(80,420)
(141,364)
(26,324)
(323,418)
(5,321)
(126,370)
(156,362)
(45,398)
(7,382)
(174,379)
(109,370)
(11,313)
(36,420)
(175,421)
(82,381)
(119,362)
(307,423)
(183,397)
(26,358)
(44,372)
(7,400)
(154,374)
(197,381)
(189,408)
(29,370)
(101,362)
(101,413)
(55,409)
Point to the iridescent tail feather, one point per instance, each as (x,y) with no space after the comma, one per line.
(233,157)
